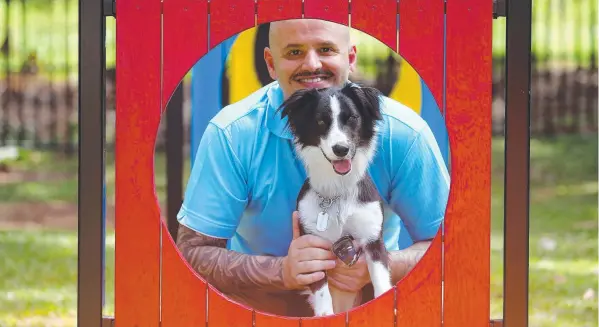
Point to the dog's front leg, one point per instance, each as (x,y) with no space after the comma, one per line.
(377,259)
(320,299)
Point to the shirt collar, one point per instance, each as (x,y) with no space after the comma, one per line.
(274,122)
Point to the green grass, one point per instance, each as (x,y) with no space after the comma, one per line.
(39,276)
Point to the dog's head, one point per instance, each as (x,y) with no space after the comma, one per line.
(334,126)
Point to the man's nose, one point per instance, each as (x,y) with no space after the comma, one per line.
(312,61)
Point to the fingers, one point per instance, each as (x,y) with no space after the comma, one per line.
(307,279)
(313,241)
(314,266)
(341,282)
(296,230)
(316,254)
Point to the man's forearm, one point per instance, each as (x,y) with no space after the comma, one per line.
(403,261)
(229,271)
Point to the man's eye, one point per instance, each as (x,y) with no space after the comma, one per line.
(326,49)
(294,52)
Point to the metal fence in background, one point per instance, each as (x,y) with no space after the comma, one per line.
(38,77)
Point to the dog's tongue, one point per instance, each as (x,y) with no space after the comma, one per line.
(342,166)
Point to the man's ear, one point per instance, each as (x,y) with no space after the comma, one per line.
(268,59)
(353,58)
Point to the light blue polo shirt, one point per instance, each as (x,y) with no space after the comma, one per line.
(246,177)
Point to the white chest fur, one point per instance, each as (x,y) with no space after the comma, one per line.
(346,216)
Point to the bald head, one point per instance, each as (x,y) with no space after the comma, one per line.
(280,30)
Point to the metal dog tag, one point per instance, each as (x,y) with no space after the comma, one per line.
(322,221)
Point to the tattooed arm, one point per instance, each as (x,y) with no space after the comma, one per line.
(229,271)
(402,261)
(234,272)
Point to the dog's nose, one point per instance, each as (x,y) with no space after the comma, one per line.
(340,150)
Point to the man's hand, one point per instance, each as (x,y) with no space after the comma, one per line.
(350,279)
(308,257)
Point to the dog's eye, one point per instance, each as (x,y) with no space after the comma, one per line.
(320,122)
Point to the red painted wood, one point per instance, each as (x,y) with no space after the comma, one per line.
(379,18)
(467,228)
(269,320)
(137,254)
(421,32)
(230,17)
(378,312)
(183,291)
(338,320)
(223,311)
(333,10)
(419,293)
(421,41)
(185,40)
(273,10)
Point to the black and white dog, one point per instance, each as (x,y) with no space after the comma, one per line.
(335,136)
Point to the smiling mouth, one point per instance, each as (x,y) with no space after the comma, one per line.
(341,166)
(312,79)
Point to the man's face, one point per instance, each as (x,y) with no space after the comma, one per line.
(308,53)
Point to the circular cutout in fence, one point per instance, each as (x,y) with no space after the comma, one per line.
(317,156)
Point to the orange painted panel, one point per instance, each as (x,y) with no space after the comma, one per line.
(378,312)
(185,40)
(379,18)
(421,45)
(273,10)
(137,270)
(183,291)
(338,320)
(223,311)
(467,227)
(333,10)
(269,320)
(229,17)
(419,293)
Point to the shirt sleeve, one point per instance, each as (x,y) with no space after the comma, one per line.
(420,186)
(217,192)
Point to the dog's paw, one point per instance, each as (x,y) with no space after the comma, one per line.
(323,311)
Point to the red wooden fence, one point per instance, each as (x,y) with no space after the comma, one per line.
(157,44)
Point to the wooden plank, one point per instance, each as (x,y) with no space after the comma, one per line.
(377,18)
(338,320)
(185,37)
(269,320)
(378,312)
(230,17)
(137,254)
(223,311)
(333,10)
(421,31)
(183,291)
(468,112)
(273,10)
(419,293)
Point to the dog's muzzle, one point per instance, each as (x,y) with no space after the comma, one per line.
(344,250)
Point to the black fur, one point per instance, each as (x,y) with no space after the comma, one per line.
(309,113)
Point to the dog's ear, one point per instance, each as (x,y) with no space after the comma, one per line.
(366,98)
(297,101)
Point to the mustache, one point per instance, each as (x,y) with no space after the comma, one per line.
(320,72)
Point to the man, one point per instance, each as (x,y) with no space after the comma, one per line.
(238,228)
